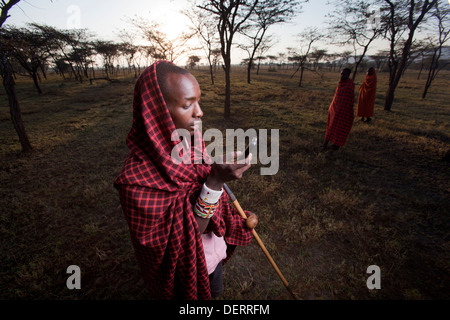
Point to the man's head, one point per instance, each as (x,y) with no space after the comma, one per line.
(345,74)
(181,93)
(371,71)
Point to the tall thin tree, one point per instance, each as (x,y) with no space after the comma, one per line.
(442,15)
(266,14)
(202,25)
(9,85)
(231,16)
(302,54)
(401,14)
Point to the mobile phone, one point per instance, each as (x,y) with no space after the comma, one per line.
(252,144)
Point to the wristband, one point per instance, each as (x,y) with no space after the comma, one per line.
(207,202)
(209,195)
(205,210)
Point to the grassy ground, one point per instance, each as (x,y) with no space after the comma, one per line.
(382,199)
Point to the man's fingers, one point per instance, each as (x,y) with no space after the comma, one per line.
(249,158)
(234,158)
(242,168)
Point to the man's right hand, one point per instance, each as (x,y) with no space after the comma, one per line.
(221,173)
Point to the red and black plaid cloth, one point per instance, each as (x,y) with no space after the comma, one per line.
(157,198)
(341,114)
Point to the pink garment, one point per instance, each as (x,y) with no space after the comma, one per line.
(215,250)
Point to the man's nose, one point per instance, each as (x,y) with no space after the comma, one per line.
(198,113)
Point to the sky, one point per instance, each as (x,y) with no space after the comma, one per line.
(105,18)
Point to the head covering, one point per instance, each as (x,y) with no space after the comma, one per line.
(157,197)
(150,140)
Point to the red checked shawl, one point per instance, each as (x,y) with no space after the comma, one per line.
(340,114)
(157,198)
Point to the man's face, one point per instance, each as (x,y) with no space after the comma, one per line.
(182,100)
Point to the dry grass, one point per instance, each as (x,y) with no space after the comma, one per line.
(325,217)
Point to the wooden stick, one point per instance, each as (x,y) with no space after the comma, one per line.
(258,239)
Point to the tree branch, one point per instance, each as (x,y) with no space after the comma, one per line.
(6,6)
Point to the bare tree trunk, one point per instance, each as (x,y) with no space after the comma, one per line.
(226,55)
(93,70)
(397,75)
(211,73)
(249,70)
(8,83)
(421,67)
(16,115)
(389,99)
(74,72)
(301,76)
(227,90)
(43,71)
(34,76)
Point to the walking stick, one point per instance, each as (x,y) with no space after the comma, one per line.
(258,239)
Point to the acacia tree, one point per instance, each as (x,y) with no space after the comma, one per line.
(424,51)
(56,47)
(108,50)
(266,14)
(162,46)
(442,15)
(80,50)
(265,45)
(129,49)
(68,48)
(415,53)
(192,61)
(8,82)
(231,16)
(216,56)
(351,22)
(316,56)
(402,16)
(27,48)
(202,24)
(302,55)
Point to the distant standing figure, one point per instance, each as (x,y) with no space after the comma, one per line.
(366,99)
(341,114)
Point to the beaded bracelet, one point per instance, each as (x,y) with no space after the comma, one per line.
(205,210)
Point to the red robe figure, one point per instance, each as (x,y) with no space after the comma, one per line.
(366,98)
(341,114)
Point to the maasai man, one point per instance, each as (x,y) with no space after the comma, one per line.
(340,114)
(366,99)
(181,224)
